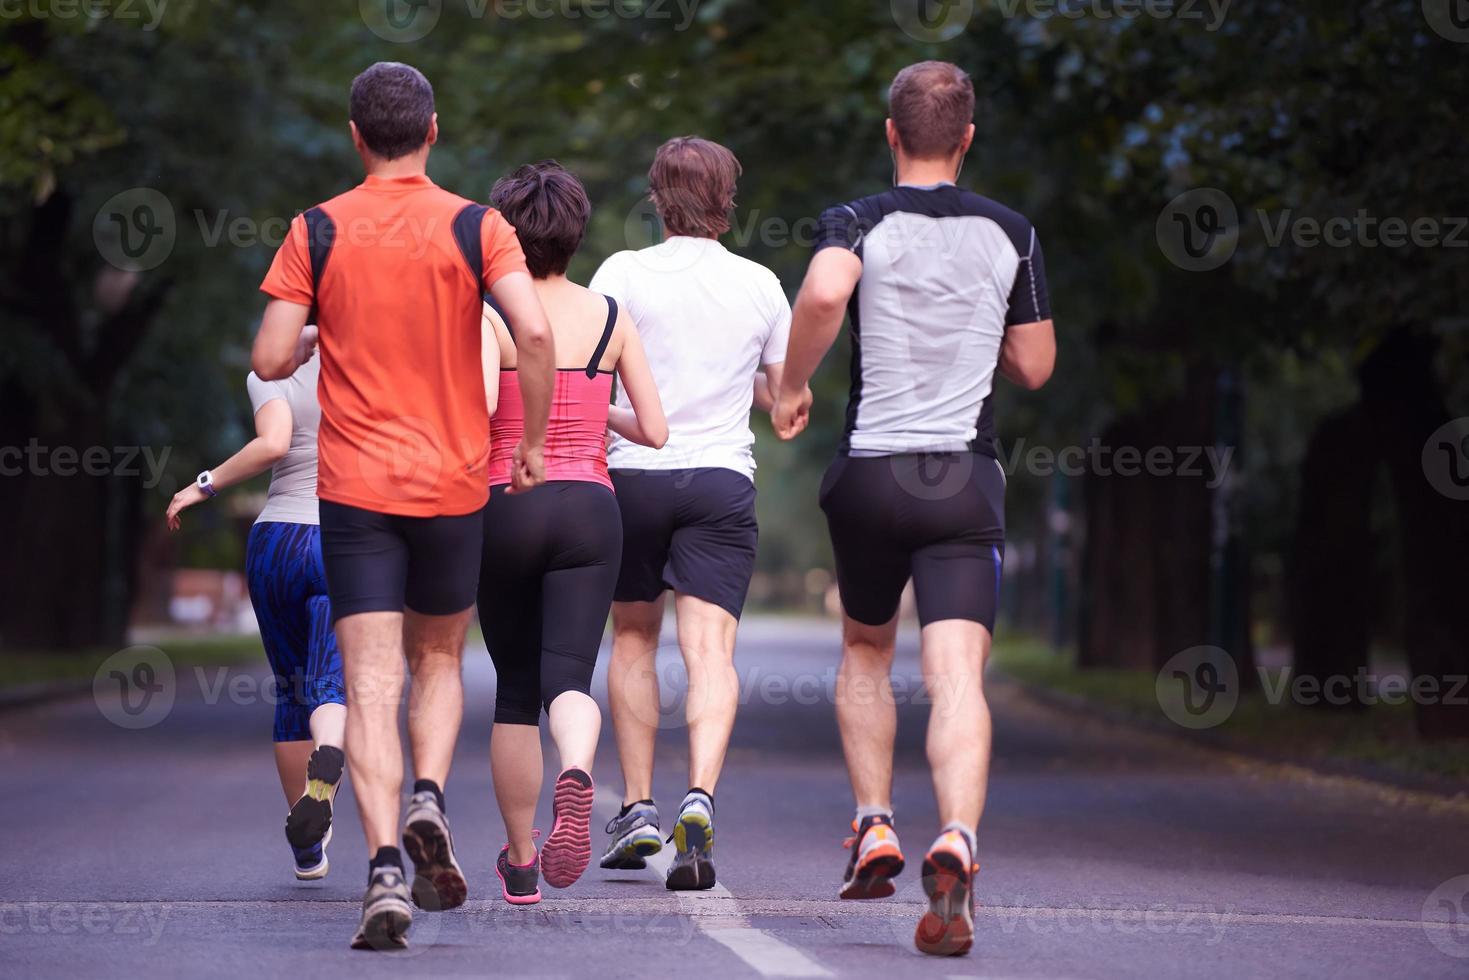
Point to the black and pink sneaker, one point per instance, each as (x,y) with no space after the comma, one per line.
(568,848)
(520,883)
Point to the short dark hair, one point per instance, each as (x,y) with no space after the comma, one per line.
(548,208)
(392,105)
(931,105)
(692,183)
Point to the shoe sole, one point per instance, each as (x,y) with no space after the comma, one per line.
(385,930)
(874,877)
(434,869)
(310,819)
(318,872)
(515,899)
(947,928)
(692,834)
(568,850)
(631,852)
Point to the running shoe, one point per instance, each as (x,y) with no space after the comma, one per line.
(438,882)
(947,928)
(635,836)
(877,858)
(386,914)
(310,819)
(693,842)
(568,848)
(311,862)
(520,883)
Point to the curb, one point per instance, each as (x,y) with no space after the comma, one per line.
(29,695)
(1434,790)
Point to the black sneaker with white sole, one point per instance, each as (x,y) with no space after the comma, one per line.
(438,881)
(310,820)
(386,913)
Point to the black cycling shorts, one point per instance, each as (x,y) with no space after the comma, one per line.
(690,530)
(388,563)
(938,518)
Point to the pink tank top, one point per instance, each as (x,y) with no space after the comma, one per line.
(576,436)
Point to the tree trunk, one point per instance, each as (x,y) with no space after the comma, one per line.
(1406,406)
(1331,588)
(1148,536)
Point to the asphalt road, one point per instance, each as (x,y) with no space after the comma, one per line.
(158,851)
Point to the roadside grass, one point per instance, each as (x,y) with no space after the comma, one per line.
(1381,736)
(24,668)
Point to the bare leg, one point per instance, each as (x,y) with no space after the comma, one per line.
(372,665)
(290,765)
(515,762)
(954,655)
(435,649)
(632,689)
(329,724)
(706,634)
(866,713)
(576,721)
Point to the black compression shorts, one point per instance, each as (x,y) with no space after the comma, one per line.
(387,562)
(938,518)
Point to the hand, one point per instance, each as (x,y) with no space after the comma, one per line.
(792,413)
(184,499)
(529,468)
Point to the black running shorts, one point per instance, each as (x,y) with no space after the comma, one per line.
(692,531)
(938,518)
(387,562)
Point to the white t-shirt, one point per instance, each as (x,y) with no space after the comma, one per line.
(292,496)
(709,320)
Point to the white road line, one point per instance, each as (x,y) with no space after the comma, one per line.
(720,917)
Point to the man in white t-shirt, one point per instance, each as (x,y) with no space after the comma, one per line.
(709,322)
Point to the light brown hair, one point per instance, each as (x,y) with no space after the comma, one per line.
(692,183)
(931,105)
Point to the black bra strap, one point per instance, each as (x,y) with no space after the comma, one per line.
(596,360)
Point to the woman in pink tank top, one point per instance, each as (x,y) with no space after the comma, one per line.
(552,554)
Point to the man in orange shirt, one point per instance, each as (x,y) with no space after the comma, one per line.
(394,272)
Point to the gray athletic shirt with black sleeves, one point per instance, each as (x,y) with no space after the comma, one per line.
(292,497)
(945,272)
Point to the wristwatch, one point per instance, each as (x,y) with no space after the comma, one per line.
(205,482)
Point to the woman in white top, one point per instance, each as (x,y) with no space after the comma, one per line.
(288,590)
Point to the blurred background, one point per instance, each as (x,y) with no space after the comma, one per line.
(1254,219)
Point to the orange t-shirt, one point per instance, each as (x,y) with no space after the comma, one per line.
(404,425)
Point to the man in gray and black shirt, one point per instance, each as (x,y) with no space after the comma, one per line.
(945,289)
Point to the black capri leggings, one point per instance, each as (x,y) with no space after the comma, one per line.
(547,572)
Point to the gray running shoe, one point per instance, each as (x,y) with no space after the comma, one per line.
(386,914)
(635,836)
(693,841)
(438,882)
(521,884)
